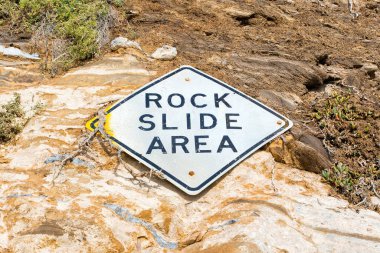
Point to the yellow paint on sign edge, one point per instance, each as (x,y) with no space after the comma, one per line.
(107,127)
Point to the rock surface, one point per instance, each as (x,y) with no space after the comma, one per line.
(260,206)
(294,76)
(289,53)
(286,100)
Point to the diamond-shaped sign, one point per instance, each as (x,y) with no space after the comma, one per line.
(191,127)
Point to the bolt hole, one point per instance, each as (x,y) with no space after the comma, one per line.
(279,122)
(191,173)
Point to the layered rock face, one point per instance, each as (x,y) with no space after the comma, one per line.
(260,206)
(285,53)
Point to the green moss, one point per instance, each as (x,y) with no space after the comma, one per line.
(11,116)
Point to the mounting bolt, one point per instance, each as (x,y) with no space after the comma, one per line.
(187,79)
(191,173)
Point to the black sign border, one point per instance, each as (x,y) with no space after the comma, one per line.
(226,167)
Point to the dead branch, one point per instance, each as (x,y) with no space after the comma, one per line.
(361,202)
(83,149)
(374,189)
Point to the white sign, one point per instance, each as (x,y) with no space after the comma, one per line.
(191,127)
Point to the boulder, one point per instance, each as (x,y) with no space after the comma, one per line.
(165,53)
(121,42)
(277,73)
(314,143)
(307,153)
(307,158)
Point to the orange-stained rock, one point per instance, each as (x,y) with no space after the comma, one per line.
(92,209)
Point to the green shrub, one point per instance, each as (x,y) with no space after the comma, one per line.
(78,23)
(75,21)
(11,118)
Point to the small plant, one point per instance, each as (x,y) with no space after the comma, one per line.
(350,129)
(341,177)
(339,107)
(11,119)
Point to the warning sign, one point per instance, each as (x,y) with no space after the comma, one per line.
(191,127)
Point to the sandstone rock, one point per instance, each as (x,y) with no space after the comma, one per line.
(316,80)
(27,75)
(277,73)
(47,228)
(97,210)
(351,80)
(116,70)
(303,135)
(239,13)
(370,67)
(285,100)
(353,63)
(165,53)
(307,153)
(121,42)
(279,150)
(306,158)
(315,143)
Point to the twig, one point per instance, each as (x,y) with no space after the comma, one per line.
(136,176)
(361,202)
(59,56)
(329,151)
(374,189)
(83,146)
